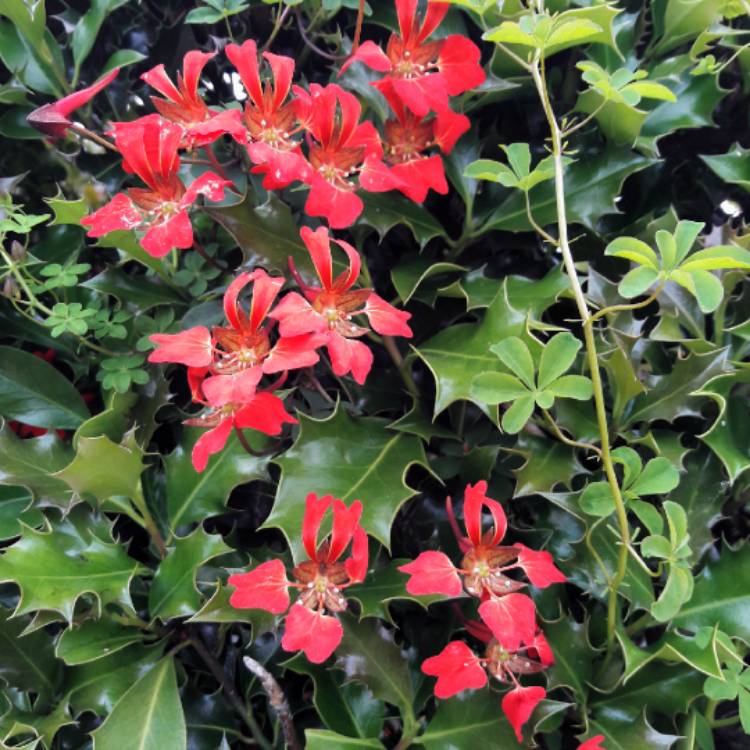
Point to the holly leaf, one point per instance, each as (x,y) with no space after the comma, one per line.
(173,592)
(218,609)
(721,595)
(55,567)
(383,211)
(413,273)
(149,715)
(733,167)
(15,509)
(468,720)
(591,186)
(322,739)
(36,393)
(574,656)
(350,458)
(547,464)
(94,639)
(676,394)
(141,291)
(192,496)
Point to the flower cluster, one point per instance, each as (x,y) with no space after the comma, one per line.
(320,580)
(227,363)
(312,136)
(514,644)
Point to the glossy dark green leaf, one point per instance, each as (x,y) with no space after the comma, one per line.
(470,719)
(368,654)
(141,291)
(86,30)
(623,732)
(15,509)
(591,186)
(547,464)
(721,595)
(383,211)
(349,709)
(350,458)
(34,392)
(322,739)
(192,496)
(681,21)
(54,568)
(733,167)
(574,655)
(173,592)
(414,272)
(94,639)
(149,715)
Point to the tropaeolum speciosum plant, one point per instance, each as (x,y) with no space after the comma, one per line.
(279,280)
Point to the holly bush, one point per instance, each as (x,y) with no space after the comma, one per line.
(374,374)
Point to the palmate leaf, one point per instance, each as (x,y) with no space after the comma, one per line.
(53,568)
(350,458)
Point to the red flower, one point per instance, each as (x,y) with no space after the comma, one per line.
(149,148)
(267,123)
(340,147)
(423,73)
(485,561)
(328,309)
(320,579)
(183,105)
(595,743)
(52,119)
(457,668)
(518,705)
(408,137)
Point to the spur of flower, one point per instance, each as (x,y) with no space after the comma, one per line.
(484,567)
(408,140)
(149,147)
(328,309)
(421,72)
(457,667)
(344,154)
(321,580)
(268,122)
(53,119)
(183,105)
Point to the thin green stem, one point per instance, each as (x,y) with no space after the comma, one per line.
(403,369)
(558,433)
(281,13)
(627,306)
(149,523)
(727,722)
(538,74)
(530,216)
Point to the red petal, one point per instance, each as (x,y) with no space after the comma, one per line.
(265,290)
(192,67)
(191,347)
(356,565)
(386,319)
(264,587)
(474,500)
(375,177)
(449,126)
(232,310)
(459,64)
(316,634)
(293,353)
(210,442)
(119,213)
(318,244)
(238,388)
(283,71)
(207,131)
(543,650)
(511,618)
(245,59)
(209,185)
(432,573)
(296,316)
(436,12)
(158,79)
(346,279)
(345,521)
(315,509)
(539,566)
(457,668)
(518,705)
(595,743)
(406,10)
(422,94)
(264,413)
(162,237)
(371,55)
(341,208)
(349,355)
(419,176)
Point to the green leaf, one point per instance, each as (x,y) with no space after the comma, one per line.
(716,258)
(383,211)
(54,568)
(218,609)
(369,655)
(349,709)
(682,21)
(86,30)
(28,17)
(574,31)
(721,595)
(518,414)
(468,720)
(204,15)
(574,656)
(352,459)
(596,499)
(458,354)
(140,291)
(576,387)
(497,388)
(675,394)
(31,463)
(15,510)
(173,592)
(677,590)
(413,272)
(624,732)
(94,639)
(149,715)
(323,739)
(591,186)
(733,167)
(493,171)
(637,282)
(558,355)
(633,249)
(658,477)
(515,355)
(122,58)
(34,392)
(192,496)
(548,464)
